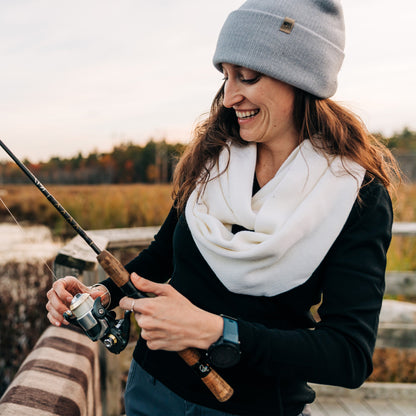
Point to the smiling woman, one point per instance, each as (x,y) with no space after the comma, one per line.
(264,110)
(281,201)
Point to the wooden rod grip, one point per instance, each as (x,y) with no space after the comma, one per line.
(215,383)
(121,277)
(115,270)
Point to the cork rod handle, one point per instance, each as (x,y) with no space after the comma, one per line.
(215,383)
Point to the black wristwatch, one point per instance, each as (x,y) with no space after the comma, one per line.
(226,351)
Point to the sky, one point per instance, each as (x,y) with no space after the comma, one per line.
(86,75)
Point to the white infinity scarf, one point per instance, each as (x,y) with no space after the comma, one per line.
(294,219)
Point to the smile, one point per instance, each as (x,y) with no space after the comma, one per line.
(246,114)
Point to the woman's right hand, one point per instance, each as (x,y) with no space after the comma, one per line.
(61,295)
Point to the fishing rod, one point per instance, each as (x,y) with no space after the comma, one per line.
(100,324)
(70,220)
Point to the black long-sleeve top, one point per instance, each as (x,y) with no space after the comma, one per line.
(282,346)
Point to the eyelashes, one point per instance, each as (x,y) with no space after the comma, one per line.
(249,81)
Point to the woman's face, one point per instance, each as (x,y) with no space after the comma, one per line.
(263,105)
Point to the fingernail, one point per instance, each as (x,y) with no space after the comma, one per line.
(57,323)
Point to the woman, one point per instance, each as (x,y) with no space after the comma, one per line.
(281,203)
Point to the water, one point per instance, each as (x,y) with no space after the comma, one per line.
(27,243)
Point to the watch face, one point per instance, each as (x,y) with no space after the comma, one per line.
(224,355)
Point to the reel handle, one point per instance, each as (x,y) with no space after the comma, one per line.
(121,277)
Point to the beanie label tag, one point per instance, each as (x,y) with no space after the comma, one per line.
(287,25)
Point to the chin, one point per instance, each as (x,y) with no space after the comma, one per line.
(248,138)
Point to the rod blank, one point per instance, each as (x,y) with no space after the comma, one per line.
(52,200)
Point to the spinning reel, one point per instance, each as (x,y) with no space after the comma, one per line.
(99,323)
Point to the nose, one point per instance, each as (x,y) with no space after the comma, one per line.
(232,94)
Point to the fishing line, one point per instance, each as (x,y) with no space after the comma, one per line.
(21,229)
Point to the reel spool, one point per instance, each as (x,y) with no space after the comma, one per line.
(98,323)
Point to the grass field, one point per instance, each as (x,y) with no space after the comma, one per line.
(114,206)
(93,207)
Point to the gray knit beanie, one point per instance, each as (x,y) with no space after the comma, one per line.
(299,42)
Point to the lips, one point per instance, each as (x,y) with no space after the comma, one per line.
(243,115)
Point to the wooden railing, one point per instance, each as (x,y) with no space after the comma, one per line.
(77,259)
(60,376)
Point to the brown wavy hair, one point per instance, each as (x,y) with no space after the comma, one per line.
(328,125)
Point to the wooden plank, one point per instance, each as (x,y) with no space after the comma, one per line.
(78,254)
(356,407)
(372,399)
(369,390)
(399,283)
(126,237)
(333,407)
(407,407)
(383,408)
(318,408)
(396,335)
(404,228)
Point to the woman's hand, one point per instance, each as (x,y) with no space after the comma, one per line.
(61,295)
(169,321)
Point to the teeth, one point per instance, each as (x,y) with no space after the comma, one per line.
(246,114)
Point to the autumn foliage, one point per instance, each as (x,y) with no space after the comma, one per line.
(126,163)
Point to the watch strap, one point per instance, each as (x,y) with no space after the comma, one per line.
(230,331)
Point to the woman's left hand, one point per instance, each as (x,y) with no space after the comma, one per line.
(169,321)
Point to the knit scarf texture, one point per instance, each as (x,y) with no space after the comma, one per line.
(290,223)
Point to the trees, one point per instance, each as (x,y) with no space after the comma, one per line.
(126,163)
(154,163)
(403,142)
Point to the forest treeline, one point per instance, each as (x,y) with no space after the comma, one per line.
(125,163)
(131,163)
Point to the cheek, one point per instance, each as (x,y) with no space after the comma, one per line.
(281,113)
(288,112)
(286,107)
(281,98)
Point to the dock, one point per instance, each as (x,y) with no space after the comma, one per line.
(372,399)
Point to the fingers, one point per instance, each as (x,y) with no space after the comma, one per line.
(155,338)
(148,286)
(59,298)
(99,290)
(168,321)
(56,309)
(56,320)
(67,287)
(129,304)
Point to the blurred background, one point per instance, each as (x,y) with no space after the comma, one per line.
(81,76)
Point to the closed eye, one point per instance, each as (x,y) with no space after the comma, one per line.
(251,81)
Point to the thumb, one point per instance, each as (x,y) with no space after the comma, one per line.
(147,286)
